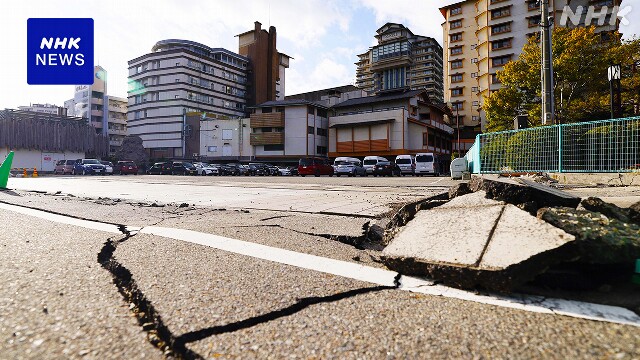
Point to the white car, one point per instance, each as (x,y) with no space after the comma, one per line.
(206,169)
(284,171)
(108,167)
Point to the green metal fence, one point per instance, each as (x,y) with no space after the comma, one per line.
(595,146)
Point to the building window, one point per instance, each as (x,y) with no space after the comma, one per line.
(495,79)
(456,78)
(501,12)
(533,21)
(500,28)
(455,24)
(310,110)
(456,50)
(456,64)
(476,103)
(274,147)
(457,106)
(455,11)
(475,118)
(474,89)
(321,132)
(474,75)
(501,44)
(212,149)
(321,150)
(455,37)
(321,112)
(533,5)
(425,139)
(227,134)
(310,130)
(457,92)
(500,60)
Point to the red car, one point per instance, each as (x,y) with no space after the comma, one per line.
(315,166)
(126,167)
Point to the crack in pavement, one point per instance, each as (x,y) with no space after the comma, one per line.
(357,242)
(301,304)
(158,334)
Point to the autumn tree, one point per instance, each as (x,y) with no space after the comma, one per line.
(581,87)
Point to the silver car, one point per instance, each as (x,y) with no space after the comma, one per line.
(349,168)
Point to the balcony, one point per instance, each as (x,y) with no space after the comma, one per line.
(270,138)
(271,120)
(118,132)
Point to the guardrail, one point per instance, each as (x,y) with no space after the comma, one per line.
(597,146)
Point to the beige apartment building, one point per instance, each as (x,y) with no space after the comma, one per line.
(481,36)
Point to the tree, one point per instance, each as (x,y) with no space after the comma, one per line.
(581,87)
(133,150)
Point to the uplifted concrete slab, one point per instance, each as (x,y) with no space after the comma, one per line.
(473,241)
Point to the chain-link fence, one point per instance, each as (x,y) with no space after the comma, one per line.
(596,146)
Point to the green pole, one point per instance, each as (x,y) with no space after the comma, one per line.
(5,169)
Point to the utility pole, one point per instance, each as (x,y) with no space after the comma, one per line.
(548,108)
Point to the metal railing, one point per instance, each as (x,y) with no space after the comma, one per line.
(596,146)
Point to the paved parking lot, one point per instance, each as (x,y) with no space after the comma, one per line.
(360,196)
(266,283)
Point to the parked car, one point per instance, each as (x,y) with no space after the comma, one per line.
(259,169)
(386,168)
(407,164)
(314,166)
(88,166)
(273,170)
(370,162)
(108,167)
(293,170)
(126,167)
(161,168)
(237,169)
(183,168)
(205,169)
(64,167)
(427,163)
(284,171)
(348,166)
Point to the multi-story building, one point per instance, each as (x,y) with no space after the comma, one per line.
(401,60)
(45,109)
(107,114)
(181,76)
(481,36)
(390,124)
(289,129)
(267,65)
(177,77)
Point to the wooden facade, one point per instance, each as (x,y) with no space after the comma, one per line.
(45,132)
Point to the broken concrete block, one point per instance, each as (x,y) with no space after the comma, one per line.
(600,239)
(459,190)
(494,245)
(609,210)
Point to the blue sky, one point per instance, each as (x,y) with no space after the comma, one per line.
(323,36)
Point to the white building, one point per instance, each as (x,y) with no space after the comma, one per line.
(107,114)
(176,78)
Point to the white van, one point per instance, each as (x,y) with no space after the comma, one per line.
(370,162)
(427,163)
(407,164)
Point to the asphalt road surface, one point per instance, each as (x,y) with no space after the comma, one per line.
(72,288)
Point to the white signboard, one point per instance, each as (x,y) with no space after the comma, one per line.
(614,72)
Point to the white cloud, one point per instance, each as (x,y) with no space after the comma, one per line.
(326,74)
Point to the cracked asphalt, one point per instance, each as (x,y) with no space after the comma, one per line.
(190,301)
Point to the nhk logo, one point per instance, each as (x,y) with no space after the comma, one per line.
(60,51)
